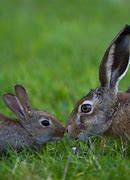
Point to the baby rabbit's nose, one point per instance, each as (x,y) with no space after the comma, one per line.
(60,132)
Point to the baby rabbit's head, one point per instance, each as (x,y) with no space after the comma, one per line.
(41,125)
(93,113)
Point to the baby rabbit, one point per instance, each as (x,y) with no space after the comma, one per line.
(33,128)
(105,110)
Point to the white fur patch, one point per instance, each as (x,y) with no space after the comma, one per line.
(86,102)
(122,75)
(43,119)
(109,64)
(69,128)
(78,119)
(109,68)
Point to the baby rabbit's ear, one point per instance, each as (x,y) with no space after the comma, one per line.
(115,62)
(22,96)
(14,104)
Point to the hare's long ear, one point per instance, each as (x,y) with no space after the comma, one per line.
(115,62)
(23,97)
(14,104)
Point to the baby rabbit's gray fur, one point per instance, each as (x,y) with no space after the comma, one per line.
(33,128)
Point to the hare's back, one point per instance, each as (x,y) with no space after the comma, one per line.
(121,118)
(123,97)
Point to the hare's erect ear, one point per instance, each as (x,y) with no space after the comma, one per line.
(14,104)
(22,96)
(115,62)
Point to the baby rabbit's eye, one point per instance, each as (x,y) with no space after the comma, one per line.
(86,108)
(45,123)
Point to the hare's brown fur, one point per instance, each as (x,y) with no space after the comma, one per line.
(105,110)
(120,125)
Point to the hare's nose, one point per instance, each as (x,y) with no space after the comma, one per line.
(68,129)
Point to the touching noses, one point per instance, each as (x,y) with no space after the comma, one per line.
(68,129)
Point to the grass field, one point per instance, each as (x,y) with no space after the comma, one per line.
(53,48)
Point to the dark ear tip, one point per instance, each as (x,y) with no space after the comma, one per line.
(127,29)
(7,95)
(18,86)
(4,96)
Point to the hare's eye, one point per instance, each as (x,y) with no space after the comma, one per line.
(45,123)
(86,108)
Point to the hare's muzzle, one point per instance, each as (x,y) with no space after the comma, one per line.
(72,132)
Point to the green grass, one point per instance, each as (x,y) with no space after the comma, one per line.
(53,48)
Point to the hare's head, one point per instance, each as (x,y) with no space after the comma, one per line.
(41,125)
(93,113)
